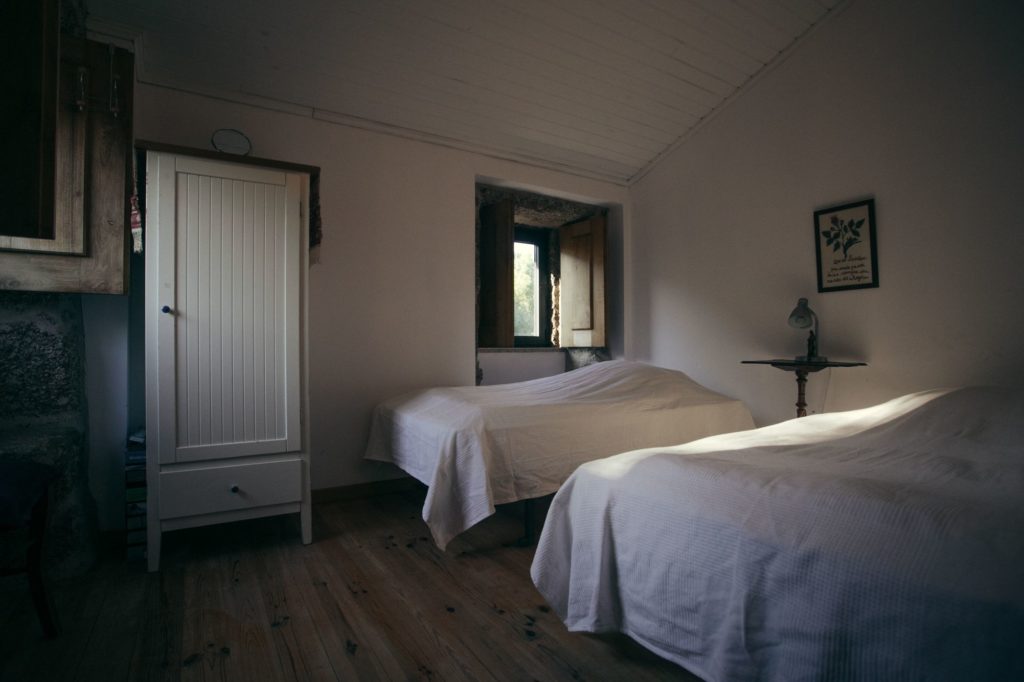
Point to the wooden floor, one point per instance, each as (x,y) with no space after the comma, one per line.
(371,599)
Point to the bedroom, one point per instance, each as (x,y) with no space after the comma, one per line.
(915,105)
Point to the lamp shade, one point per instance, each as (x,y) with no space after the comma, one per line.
(802,316)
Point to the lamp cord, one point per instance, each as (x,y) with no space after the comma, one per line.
(828,384)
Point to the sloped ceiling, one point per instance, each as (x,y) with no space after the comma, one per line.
(601,88)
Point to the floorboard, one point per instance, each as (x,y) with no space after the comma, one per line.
(372,599)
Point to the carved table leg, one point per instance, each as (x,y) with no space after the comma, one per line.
(801,384)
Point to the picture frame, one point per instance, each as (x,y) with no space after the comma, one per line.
(846,247)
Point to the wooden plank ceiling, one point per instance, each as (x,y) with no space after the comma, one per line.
(600,88)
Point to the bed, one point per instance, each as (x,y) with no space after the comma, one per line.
(878,544)
(478,446)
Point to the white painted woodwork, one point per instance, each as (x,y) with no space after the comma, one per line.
(225,364)
(598,87)
(234,378)
(230,515)
(192,492)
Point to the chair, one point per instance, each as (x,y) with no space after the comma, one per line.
(24,493)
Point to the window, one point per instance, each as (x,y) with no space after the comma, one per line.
(531,287)
(521,265)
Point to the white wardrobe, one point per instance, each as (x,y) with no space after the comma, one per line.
(226,362)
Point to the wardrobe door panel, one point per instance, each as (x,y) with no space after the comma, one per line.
(235,389)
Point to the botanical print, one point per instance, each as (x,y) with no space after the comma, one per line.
(846,247)
(842,234)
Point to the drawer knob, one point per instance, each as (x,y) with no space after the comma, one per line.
(166,310)
(234,488)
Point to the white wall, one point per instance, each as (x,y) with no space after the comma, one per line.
(918,104)
(504,366)
(105,319)
(392,301)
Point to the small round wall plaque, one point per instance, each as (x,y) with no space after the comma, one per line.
(231,141)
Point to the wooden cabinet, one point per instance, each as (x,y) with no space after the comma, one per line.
(89,181)
(30,32)
(226,261)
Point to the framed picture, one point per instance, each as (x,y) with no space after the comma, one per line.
(844,241)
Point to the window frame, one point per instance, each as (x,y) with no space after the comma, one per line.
(541,238)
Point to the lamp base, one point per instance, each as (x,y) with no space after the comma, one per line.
(811,358)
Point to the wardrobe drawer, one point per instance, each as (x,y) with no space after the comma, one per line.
(190,492)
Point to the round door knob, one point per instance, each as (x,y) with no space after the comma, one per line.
(234,488)
(166,309)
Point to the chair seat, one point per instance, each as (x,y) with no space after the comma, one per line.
(22,484)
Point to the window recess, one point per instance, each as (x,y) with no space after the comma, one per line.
(540,286)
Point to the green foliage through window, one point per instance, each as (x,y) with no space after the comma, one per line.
(526,290)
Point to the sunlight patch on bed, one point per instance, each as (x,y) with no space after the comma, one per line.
(798,431)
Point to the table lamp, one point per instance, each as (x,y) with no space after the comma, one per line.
(803,317)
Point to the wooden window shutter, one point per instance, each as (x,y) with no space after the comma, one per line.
(582,291)
(497,231)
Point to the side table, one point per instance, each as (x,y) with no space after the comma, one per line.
(802,368)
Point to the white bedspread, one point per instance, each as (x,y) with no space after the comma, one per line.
(878,544)
(478,446)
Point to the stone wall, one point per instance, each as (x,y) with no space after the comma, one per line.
(43,414)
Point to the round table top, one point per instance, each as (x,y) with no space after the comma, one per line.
(800,364)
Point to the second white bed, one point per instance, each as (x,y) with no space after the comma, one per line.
(878,544)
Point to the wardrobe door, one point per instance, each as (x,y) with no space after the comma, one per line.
(225,301)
